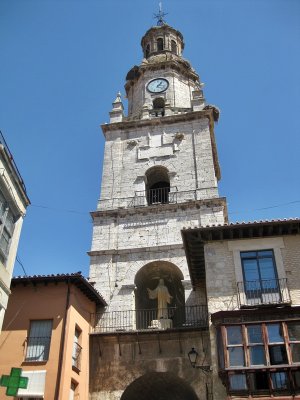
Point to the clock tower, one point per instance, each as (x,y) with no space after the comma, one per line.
(160,175)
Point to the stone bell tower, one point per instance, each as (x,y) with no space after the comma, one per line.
(160,174)
(160,170)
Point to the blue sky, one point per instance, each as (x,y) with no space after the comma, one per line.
(62,63)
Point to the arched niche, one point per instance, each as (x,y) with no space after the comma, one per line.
(159,103)
(147,51)
(173,47)
(157,185)
(158,386)
(160,44)
(159,106)
(148,277)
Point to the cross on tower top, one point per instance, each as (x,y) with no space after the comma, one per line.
(160,15)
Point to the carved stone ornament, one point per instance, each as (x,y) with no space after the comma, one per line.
(132,142)
(179,136)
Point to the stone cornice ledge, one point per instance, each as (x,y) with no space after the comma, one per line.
(165,247)
(172,119)
(214,202)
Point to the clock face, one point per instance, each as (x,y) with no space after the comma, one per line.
(158,85)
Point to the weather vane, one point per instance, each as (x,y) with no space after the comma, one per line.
(160,16)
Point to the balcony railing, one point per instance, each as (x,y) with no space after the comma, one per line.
(38,348)
(161,112)
(159,196)
(3,142)
(164,195)
(139,198)
(76,356)
(146,320)
(263,292)
(167,195)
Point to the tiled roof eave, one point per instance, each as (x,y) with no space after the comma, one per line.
(74,278)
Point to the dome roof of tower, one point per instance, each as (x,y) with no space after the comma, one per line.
(164,27)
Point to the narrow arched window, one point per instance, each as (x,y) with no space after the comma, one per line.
(158,185)
(160,44)
(173,47)
(147,52)
(159,106)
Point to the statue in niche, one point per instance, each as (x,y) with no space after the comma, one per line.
(161,293)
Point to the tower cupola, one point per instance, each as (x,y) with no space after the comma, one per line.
(164,83)
(162,39)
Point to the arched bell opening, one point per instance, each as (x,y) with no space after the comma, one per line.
(160,44)
(173,47)
(157,185)
(158,386)
(159,106)
(159,296)
(147,50)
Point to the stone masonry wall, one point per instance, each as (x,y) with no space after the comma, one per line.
(187,156)
(115,274)
(117,362)
(124,244)
(178,94)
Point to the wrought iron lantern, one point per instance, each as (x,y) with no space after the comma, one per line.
(193,355)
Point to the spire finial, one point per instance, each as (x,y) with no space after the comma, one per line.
(160,15)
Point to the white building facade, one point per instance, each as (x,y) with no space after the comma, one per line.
(13,204)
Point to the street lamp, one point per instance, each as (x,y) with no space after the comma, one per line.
(193,356)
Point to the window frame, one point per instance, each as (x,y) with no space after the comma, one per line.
(238,246)
(45,342)
(276,244)
(291,342)
(7,227)
(270,369)
(73,389)
(261,290)
(77,349)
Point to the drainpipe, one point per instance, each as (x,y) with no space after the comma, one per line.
(62,345)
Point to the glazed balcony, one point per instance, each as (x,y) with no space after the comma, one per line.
(263,292)
(146,320)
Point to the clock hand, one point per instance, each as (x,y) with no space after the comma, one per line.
(160,84)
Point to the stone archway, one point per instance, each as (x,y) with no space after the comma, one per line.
(159,386)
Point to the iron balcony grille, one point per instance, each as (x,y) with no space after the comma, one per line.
(146,320)
(161,112)
(76,356)
(149,197)
(3,142)
(263,292)
(159,196)
(38,348)
(139,199)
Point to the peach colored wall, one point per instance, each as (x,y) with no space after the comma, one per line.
(79,314)
(47,302)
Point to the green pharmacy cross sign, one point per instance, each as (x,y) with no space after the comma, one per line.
(14,382)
